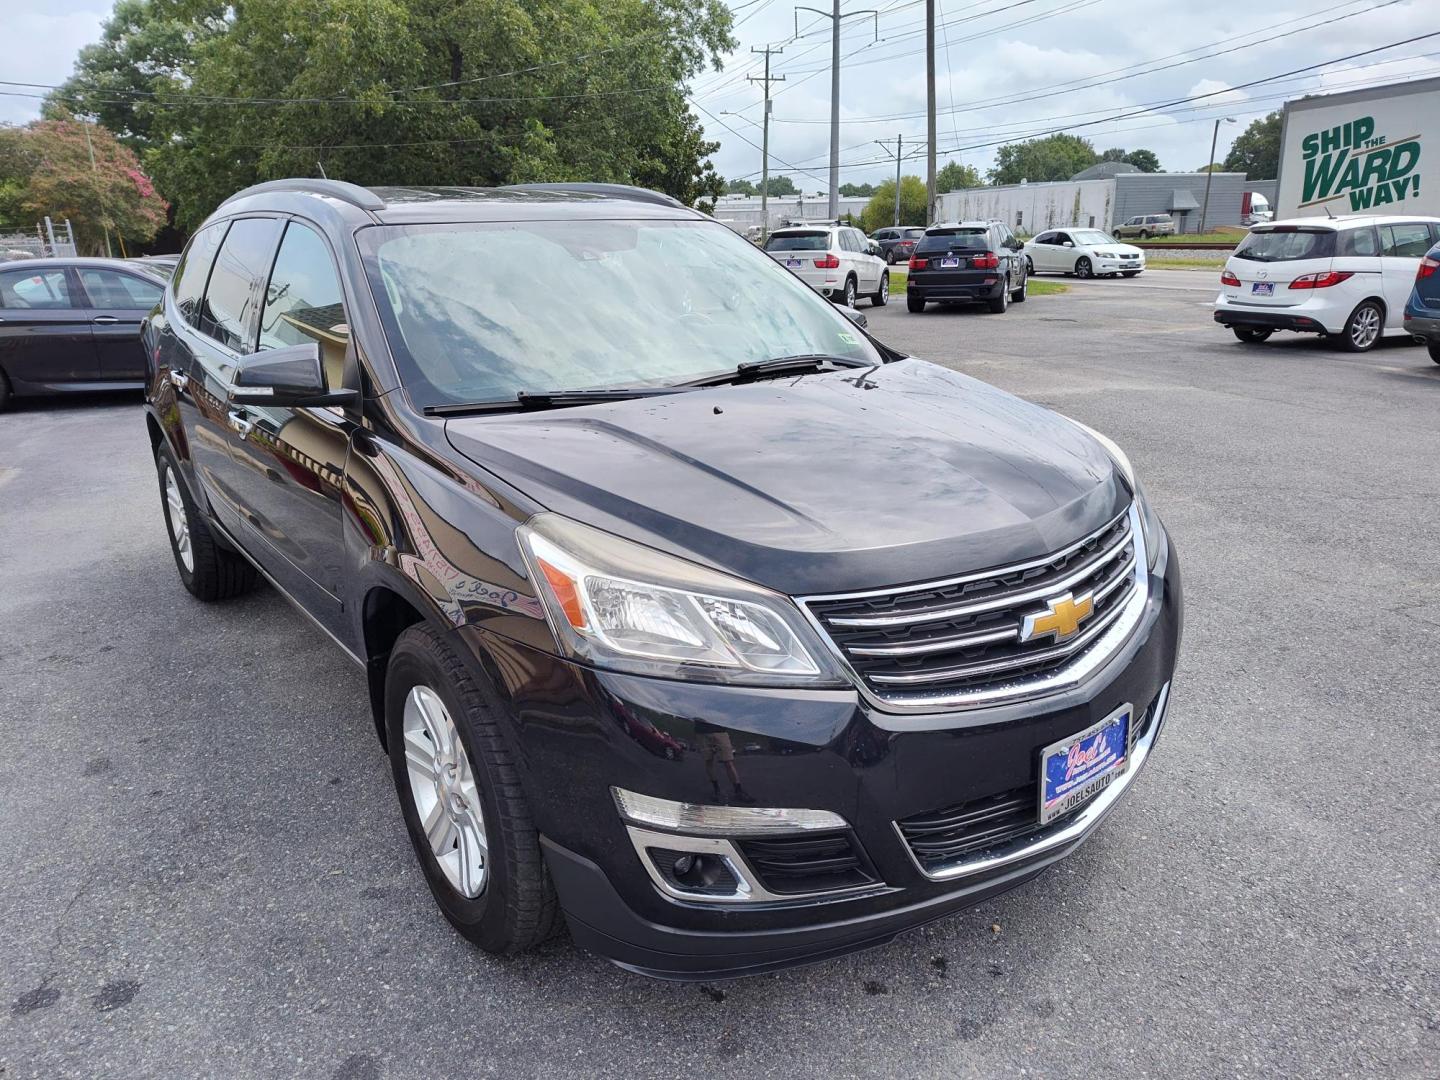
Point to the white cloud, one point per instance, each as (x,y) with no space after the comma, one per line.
(40,47)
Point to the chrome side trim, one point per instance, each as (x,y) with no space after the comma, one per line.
(1061,835)
(980,606)
(748,889)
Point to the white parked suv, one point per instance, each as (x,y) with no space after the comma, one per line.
(1345,277)
(1084,253)
(836,260)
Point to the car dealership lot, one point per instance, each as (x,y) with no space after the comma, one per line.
(203,871)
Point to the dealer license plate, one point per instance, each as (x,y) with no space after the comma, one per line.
(947,264)
(794,264)
(1074,770)
(1262,288)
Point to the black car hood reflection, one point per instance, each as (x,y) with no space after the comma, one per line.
(824,483)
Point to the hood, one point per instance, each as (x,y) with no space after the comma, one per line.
(823,483)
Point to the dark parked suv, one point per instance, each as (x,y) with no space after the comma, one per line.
(1422,310)
(965,262)
(695,616)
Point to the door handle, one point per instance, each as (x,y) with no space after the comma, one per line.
(105,319)
(239,423)
(179,380)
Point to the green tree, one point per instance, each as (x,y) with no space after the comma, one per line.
(1144,160)
(954,177)
(857,191)
(409,92)
(880,210)
(1256,150)
(1115,153)
(46,167)
(782,185)
(1055,157)
(740,187)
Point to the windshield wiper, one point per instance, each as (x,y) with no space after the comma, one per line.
(551,399)
(804,364)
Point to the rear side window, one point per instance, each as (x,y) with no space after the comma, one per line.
(228,312)
(914,234)
(194,270)
(1409,240)
(955,240)
(1358,242)
(809,241)
(1287,245)
(111,289)
(45,290)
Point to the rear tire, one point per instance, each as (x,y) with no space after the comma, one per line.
(207,570)
(1144,234)
(513,907)
(881,298)
(1363,329)
(1251,335)
(1434,350)
(914,303)
(4,393)
(890,257)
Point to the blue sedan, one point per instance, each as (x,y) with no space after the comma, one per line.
(1422,313)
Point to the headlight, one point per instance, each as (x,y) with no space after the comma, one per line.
(1149,523)
(626,607)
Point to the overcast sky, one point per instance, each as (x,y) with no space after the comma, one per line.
(990,52)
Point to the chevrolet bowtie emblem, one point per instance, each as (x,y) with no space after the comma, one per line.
(1063,619)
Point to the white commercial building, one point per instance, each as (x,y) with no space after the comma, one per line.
(741,212)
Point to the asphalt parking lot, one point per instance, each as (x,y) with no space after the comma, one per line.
(202,870)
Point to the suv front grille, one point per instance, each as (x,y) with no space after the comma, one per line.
(807,863)
(959,641)
(940,838)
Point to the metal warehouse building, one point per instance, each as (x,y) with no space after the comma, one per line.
(1104,201)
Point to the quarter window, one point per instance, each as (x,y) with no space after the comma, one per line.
(110,290)
(228,313)
(1409,240)
(42,289)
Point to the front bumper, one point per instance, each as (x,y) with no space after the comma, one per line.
(579,733)
(1105,265)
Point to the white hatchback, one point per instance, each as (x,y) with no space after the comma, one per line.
(836,260)
(1084,253)
(1345,277)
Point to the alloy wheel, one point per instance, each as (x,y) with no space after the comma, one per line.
(1365,327)
(179,524)
(1082,268)
(884,288)
(850,293)
(446,797)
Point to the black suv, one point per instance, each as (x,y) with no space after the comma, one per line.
(965,262)
(689,612)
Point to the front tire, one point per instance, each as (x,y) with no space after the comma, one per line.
(881,298)
(1251,335)
(914,304)
(1020,295)
(1083,268)
(1363,329)
(477,843)
(208,571)
(4,392)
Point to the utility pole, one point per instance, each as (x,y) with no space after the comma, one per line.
(1210,168)
(835,17)
(765,142)
(96,170)
(930,193)
(899,154)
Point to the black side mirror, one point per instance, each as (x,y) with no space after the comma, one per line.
(855,316)
(292,376)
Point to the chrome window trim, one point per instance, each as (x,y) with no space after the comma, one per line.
(1086,663)
(1062,835)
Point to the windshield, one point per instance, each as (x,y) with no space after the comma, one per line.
(481,312)
(810,241)
(1091,237)
(1286,245)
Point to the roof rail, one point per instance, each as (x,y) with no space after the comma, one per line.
(353,194)
(608,191)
